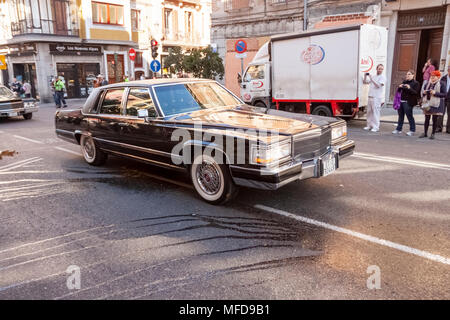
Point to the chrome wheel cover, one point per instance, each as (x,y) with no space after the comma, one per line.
(89,149)
(208,177)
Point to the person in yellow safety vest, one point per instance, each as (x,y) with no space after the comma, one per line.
(60,87)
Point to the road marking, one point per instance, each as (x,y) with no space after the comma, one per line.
(54,238)
(28,139)
(423,164)
(19,164)
(386,243)
(69,151)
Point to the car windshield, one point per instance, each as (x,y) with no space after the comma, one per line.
(6,93)
(188,97)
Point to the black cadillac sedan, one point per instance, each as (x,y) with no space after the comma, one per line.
(200,127)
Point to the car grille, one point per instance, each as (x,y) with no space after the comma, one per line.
(309,145)
(11,105)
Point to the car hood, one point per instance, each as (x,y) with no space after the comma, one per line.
(244,117)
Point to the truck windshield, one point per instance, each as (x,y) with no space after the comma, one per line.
(188,97)
(255,73)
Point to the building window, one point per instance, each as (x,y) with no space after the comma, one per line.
(138,62)
(105,13)
(237,4)
(188,25)
(135,20)
(167,22)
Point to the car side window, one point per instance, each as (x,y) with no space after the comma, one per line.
(139,99)
(112,102)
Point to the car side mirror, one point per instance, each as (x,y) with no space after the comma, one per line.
(143,113)
(239,78)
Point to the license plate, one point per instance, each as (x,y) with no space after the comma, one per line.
(328,164)
(12,114)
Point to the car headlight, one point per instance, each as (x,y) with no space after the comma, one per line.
(339,132)
(28,105)
(270,154)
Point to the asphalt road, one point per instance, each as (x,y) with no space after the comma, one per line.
(139,232)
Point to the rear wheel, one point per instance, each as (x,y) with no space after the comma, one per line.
(28,116)
(91,153)
(211,180)
(322,111)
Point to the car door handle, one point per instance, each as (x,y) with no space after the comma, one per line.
(123,124)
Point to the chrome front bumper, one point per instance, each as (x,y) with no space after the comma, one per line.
(301,170)
(17,111)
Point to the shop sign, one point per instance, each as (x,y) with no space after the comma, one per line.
(75,49)
(24,49)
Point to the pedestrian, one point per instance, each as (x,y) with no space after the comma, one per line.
(101,81)
(59,92)
(126,79)
(16,86)
(410,90)
(376,93)
(27,89)
(52,89)
(446,82)
(433,102)
(428,68)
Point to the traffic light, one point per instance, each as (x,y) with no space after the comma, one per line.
(154,45)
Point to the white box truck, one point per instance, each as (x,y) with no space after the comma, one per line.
(316,72)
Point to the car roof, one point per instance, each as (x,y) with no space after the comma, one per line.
(152,82)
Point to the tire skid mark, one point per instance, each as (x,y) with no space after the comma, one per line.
(149,267)
(256,236)
(263,265)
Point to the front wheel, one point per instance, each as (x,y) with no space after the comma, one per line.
(211,180)
(91,153)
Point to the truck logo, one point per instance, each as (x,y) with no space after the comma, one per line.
(247,97)
(257,84)
(366,64)
(314,54)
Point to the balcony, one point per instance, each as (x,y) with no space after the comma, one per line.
(45,27)
(47,17)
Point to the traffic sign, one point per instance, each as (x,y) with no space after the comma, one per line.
(132,54)
(155,66)
(240,46)
(3,65)
(241,55)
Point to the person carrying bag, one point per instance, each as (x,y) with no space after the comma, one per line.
(433,102)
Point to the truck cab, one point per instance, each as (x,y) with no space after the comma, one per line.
(255,83)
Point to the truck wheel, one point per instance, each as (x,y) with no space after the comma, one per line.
(28,116)
(91,153)
(322,111)
(211,180)
(260,104)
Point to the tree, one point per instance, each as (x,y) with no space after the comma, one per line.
(204,63)
(174,61)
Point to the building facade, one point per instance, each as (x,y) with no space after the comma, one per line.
(79,39)
(417,29)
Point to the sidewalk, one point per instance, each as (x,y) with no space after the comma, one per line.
(71,103)
(389,115)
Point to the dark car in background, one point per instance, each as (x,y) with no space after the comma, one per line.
(199,127)
(12,105)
